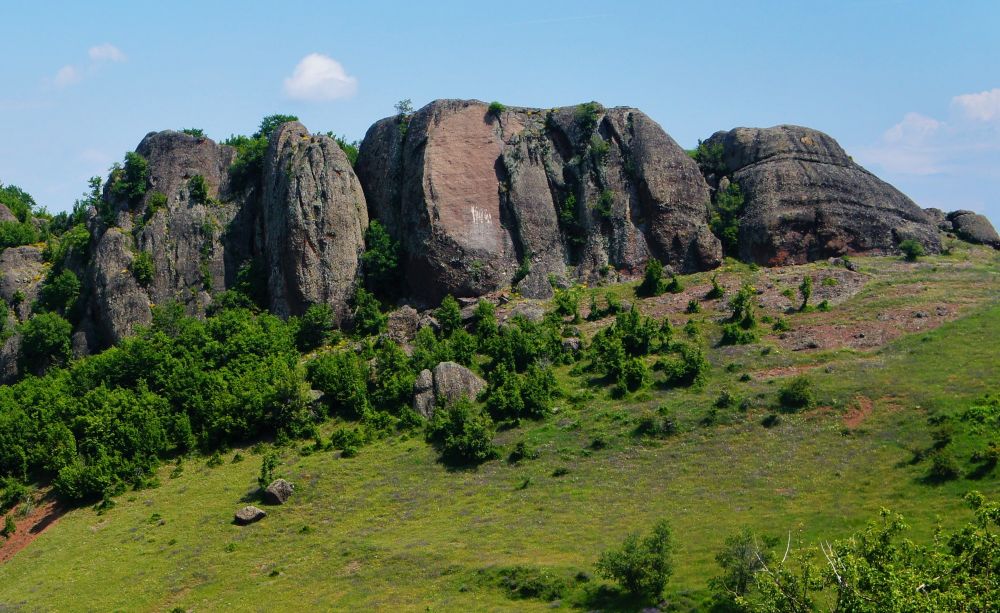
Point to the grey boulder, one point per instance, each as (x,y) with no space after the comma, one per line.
(248,515)
(278,492)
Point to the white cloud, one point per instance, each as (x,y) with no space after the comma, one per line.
(67,75)
(984,106)
(106,53)
(914,129)
(319,77)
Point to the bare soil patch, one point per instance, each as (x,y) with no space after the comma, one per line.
(47,512)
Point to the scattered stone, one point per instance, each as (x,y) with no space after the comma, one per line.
(941,311)
(278,492)
(528,310)
(248,515)
(571,345)
(921,314)
(806,343)
(428,320)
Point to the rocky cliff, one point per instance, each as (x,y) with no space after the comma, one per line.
(806,199)
(485,197)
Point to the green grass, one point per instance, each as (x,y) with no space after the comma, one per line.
(394,529)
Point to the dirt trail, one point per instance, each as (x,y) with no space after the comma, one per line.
(47,512)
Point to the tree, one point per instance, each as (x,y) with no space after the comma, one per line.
(272,122)
(198,189)
(449,316)
(9,527)
(725,220)
(60,293)
(404,107)
(143,268)
(132,180)
(641,565)
(45,343)
(381,261)
(743,555)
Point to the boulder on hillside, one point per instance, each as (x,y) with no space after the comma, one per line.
(22,271)
(806,199)
(974,228)
(5,214)
(248,515)
(481,199)
(447,383)
(314,219)
(939,219)
(278,492)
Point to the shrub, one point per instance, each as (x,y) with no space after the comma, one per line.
(823,306)
(368,316)
(652,280)
(196,132)
(587,115)
(781,325)
(496,109)
(198,189)
(60,293)
(485,321)
(531,582)
(797,394)
(742,556)
(267,465)
(633,376)
(641,565)
(520,452)
(523,270)
(830,282)
(693,307)
(805,290)
(143,268)
(689,369)
(605,202)
(770,420)
(656,424)
(16,233)
(45,343)
(132,180)
(567,303)
(674,287)
(742,326)
(343,379)
(461,434)
(943,467)
(9,527)
(911,250)
(717,290)
(710,159)
(315,327)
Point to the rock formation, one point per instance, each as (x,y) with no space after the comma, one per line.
(806,199)
(278,492)
(481,198)
(974,228)
(447,382)
(314,221)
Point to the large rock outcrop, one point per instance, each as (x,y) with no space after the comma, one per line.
(482,198)
(974,228)
(806,199)
(300,220)
(447,383)
(314,221)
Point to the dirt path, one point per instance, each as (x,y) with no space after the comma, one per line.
(47,512)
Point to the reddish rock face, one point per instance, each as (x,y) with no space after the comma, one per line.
(577,192)
(806,199)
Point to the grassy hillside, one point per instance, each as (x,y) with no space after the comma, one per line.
(393,529)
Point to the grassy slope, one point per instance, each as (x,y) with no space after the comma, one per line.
(392,529)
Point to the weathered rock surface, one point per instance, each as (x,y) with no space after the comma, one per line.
(448,382)
(5,214)
(248,515)
(472,194)
(805,199)
(974,228)
(314,221)
(21,270)
(402,324)
(278,492)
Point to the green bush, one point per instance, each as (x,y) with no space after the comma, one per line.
(717,290)
(911,250)
(496,109)
(461,434)
(943,467)
(16,233)
(343,378)
(781,325)
(196,132)
(656,424)
(674,287)
(315,327)
(143,268)
(567,303)
(45,343)
(710,159)
(198,189)
(9,527)
(641,565)
(693,306)
(797,394)
(690,368)
(652,279)
(59,294)
(742,326)
(587,115)
(18,201)
(368,316)
(531,582)
(132,179)
(805,290)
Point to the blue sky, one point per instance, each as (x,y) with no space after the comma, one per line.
(911,90)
